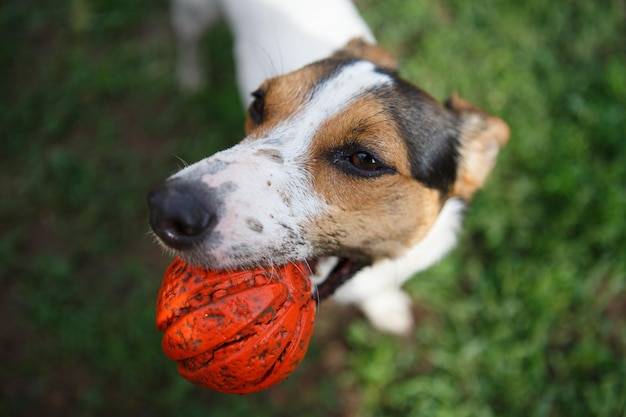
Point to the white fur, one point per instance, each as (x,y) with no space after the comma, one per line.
(272,37)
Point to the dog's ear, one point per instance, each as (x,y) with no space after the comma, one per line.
(481,138)
(359,49)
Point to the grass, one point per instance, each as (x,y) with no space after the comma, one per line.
(527,317)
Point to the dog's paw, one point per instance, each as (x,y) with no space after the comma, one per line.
(389,311)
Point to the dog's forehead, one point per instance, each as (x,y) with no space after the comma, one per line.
(308,96)
(297,105)
(343,83)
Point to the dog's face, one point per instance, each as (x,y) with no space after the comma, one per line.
(342,158)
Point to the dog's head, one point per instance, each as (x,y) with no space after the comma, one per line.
(341,158)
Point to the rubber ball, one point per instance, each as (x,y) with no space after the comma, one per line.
(235,332)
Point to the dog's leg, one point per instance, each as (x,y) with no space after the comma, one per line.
(190,19)
(389,311)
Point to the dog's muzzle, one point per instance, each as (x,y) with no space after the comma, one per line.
(184,214)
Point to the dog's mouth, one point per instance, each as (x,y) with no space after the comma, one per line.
(181,221)
(343,270)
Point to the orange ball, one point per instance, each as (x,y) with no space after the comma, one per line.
(236,332)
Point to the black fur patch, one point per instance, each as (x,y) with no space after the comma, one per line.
(431,132)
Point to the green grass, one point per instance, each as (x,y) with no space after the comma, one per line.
(527,317)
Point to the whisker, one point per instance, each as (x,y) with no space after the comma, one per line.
(184,163)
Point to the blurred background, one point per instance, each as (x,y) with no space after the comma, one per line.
(527,317)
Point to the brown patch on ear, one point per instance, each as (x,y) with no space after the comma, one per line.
(357,48)
(482,136)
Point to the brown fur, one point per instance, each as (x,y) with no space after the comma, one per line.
(482,137)
(281,101)
(359,49)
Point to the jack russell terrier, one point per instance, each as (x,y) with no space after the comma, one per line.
(344,164)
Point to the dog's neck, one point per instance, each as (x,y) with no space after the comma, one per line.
(276,37)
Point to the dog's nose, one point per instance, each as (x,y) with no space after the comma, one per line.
(179,216)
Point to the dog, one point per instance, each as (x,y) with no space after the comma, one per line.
(271,37)
(344,164)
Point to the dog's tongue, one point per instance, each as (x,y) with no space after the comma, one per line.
(236,332)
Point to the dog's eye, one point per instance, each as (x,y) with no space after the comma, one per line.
(355,160)
(365,161)
(257,107)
